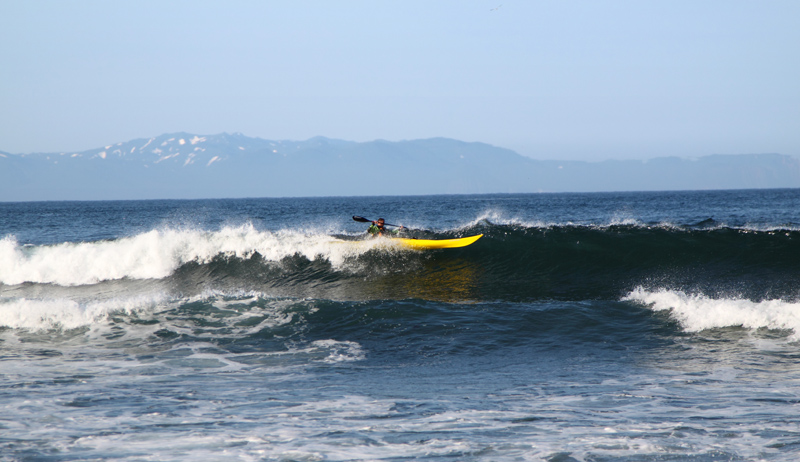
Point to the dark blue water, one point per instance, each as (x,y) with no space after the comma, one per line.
(588,327)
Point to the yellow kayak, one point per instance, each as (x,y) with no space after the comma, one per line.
(438,243)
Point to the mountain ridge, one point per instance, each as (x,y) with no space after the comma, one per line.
(184,165)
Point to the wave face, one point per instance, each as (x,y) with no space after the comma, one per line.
(514,263)
(511,262)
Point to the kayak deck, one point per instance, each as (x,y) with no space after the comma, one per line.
(438,243)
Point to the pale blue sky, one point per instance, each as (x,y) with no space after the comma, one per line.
(583,80)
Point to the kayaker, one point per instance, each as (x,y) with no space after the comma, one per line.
(378,228)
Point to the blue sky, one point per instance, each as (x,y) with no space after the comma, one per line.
(582,80)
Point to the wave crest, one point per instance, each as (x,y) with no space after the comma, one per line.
(67,314)
(697,312)
(158,253)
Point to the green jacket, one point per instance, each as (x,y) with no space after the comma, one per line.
(375,231)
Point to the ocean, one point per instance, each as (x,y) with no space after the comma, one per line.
(653,326)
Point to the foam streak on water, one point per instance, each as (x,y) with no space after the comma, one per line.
(195,401)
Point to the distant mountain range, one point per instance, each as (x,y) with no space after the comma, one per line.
(184,165)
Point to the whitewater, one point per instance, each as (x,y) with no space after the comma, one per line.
(581,327)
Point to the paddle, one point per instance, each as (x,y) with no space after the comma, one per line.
(367,220)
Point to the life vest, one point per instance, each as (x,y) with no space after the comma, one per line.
(374,230)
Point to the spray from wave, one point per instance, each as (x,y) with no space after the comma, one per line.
(159,253)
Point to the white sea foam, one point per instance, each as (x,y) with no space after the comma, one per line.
(45,314)
(499,218)
(697,312)
(339,351)
(158,253)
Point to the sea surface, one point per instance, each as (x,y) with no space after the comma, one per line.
(637,327)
